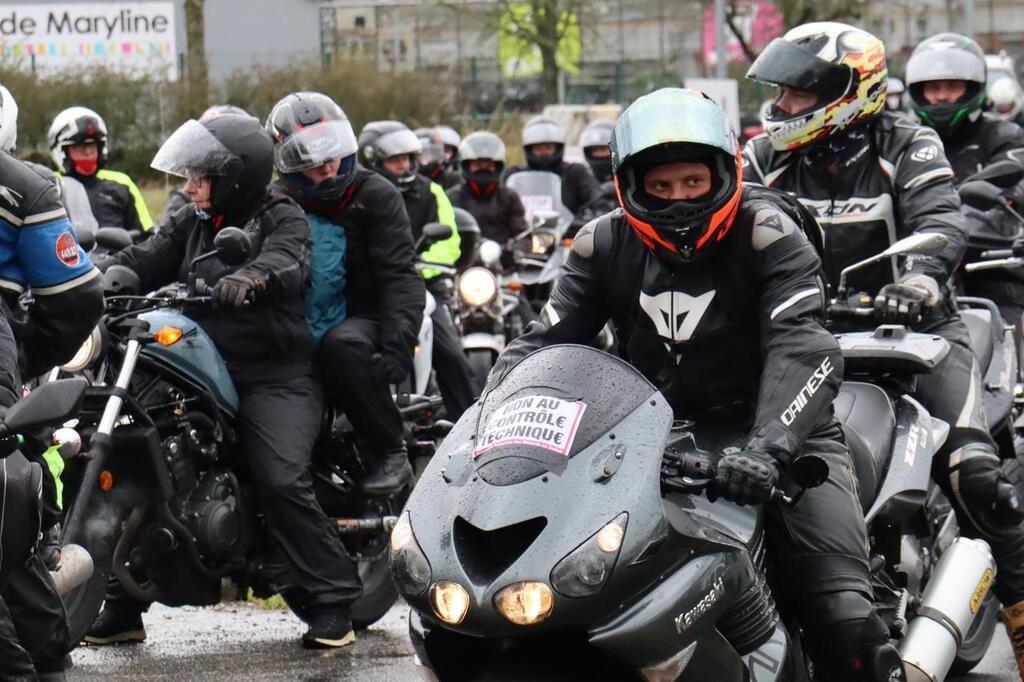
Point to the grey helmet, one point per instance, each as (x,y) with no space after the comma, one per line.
(381,140)
(598,134)
(451,140)
(947,56)
(1006,97)
(482,145)
(543,130)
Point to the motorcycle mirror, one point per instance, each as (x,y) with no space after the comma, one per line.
(113,239)
(809,471)
(50,404)
(465,221)
(119,280)
(233,245)
(921,244)
(432,233)
(86,239)
(980,194)
(1004,174)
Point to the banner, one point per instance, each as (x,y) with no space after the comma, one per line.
(758,21)
(520,58)
(132,37)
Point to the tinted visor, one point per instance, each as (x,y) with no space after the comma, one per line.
(786,63)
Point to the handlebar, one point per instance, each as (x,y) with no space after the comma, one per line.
(695,474)
(1008,263)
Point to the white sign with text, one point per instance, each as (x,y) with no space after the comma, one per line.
(539,421)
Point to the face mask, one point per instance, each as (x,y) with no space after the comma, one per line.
(483,183)
(86,167)
(544,163)
(602,168)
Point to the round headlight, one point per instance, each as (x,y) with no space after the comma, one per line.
(490,252)
(525,603)
(478,286)
(450,601)
(86,353)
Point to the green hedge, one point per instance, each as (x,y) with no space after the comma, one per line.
(140,112)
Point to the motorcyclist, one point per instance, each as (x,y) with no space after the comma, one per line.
(79,146)
(433,160)
(39,253)
(1007,100)
(544,146)
(452,141)
(946,75)
(871,177)
(258,326)
(178,197)
(594,142)
(895,91)
(716,296)
(498,210)
(365,303)
(394,151)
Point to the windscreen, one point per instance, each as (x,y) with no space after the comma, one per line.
(540,191)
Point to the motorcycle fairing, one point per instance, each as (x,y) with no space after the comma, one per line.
(195,355)
(993,344)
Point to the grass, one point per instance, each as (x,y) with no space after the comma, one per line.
(273,603)
(155,196)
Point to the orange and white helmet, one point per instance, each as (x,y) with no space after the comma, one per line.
(842,64)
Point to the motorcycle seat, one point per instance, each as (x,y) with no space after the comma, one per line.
(979,329)
(868,421)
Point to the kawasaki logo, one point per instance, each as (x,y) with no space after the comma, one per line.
(807,392)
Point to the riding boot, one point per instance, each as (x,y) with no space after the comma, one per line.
(1013,618)
(389,475)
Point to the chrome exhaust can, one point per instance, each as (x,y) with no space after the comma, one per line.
(951,601)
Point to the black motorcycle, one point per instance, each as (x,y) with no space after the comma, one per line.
(160,498)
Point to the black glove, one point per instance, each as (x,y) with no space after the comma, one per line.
(908,302)
(988,487)
(387,368)
(237,289)
(746,477)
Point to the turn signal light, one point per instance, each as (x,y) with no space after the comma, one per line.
(450,601)
(106,481)
(525,603)
(167,336)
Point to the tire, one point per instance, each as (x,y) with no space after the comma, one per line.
(978,638)
(84,602)
(480,361)
(379,593)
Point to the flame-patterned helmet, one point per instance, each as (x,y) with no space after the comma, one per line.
(843,65)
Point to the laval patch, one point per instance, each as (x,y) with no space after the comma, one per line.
(67,249)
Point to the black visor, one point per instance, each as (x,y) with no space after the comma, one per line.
(786,63)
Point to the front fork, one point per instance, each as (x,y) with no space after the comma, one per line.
(101,441)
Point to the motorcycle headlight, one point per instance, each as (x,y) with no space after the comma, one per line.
(86,353)
(585,570)
(525,603)
(542,242)
(478,286)
(490,253)
(450,601)
(409,566)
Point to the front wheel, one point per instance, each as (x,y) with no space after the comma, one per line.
(480,361)
(978,638)
(379,593)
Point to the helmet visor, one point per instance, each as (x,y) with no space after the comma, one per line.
(315,146)
(192,150)
(939,65)
(482,146)
(785,63)
(543,132)
(397,142)
(672,116)
(433,151)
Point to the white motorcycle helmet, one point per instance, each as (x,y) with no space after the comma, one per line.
(8,120)
(1006,98)
(76,125)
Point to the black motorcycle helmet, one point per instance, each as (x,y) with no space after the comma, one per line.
(947,56)
(309,129)
(543,130)
(235,152)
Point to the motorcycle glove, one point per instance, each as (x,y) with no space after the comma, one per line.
(747,476)
(986,488)
(909,301)
(237,289)
(387,369)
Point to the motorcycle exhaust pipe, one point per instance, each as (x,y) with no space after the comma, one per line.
(951,601)
(75,568)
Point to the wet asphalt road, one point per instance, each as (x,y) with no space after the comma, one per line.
(240,642)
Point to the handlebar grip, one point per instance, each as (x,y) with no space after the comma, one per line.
(994,264)
(203,289)
(997,253)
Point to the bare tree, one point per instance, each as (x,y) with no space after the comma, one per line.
(196,69)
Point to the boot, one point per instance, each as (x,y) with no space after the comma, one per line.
(329,628)
(1013,618)
(391,473)
(115,625)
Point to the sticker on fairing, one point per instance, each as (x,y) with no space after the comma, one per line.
(534,203)
(537,421)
